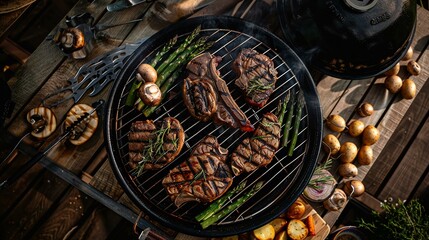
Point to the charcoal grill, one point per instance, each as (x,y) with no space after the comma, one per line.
(284,179)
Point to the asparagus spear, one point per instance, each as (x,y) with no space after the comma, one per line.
(283,108)
(163,51)
(233,206)
(181,60)
(166,84)
(296,124)
(181,48)
(136,84)
(218,204)
(288,123)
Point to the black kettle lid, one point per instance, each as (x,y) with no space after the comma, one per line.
(351,39)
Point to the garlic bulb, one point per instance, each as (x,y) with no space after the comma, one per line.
(336,201)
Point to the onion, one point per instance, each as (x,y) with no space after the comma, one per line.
(323,191)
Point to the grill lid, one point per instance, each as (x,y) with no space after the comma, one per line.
(285,177)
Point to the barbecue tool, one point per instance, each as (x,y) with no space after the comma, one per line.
(95,75)
(67,133)
(77,40)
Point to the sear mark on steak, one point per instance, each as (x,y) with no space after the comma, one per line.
(257,76)
(207,96)
(210,145)
(259,150)
(154,144)
(203,177)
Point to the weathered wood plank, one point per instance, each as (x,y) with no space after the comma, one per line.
(99,225)
(66,155)
(67,215)
(398,142)
(44,61)
(400,128)
(409,171)
(384,109)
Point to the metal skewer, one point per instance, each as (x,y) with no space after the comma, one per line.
(15,176)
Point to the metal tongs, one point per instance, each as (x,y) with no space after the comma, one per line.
(75,126)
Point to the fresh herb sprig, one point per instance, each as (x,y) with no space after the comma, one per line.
(316,183)
(398,221)
(154,150)
(257,85)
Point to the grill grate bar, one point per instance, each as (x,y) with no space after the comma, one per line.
(243,212)
(149,183)
(278,161)
(216,129)
(272,166)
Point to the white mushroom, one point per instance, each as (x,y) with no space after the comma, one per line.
(150,94)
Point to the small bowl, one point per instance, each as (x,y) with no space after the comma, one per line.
(348,233)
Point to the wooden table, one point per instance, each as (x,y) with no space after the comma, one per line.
(42,205)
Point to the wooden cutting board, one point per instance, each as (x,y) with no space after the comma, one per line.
(322,228)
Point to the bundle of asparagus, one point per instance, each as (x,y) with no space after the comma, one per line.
(169,67)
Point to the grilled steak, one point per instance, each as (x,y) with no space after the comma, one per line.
(259,150)
(154,144)
(207,96)
(210,145)
(257,76)
(203,177)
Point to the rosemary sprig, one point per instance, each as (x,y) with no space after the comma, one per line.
(198,176)
(154,150)
(398,221)
(316,183)
(256,85)
(261,137)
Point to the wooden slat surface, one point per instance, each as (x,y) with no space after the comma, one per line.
(41,205)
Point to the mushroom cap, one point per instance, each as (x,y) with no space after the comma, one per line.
(150,94)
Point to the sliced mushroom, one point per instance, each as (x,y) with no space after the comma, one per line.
(43,122)
(150,94)
(70,40)
(146,73)
(86,127)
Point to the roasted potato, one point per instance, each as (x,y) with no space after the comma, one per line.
(370,135)
(408,89)
(356,128)
(365,155)
(297,229)
(265,232)
(296,210)
(281,236)
(331,144)
(348,152)
(336,123)
(278,224)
